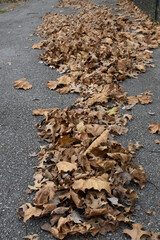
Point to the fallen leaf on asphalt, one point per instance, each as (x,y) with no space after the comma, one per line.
(95,183)
(113,111)
(32,237)
(84,177)
(34,154)
(38,45)
(138,146)
(154,128)
(22,84)
(66,166)
(136,233)
(157,141)
(52,84)
(132,100)
(151,212)
(31,211)
(44,195)
(144,99)
(103,138)
(155,236)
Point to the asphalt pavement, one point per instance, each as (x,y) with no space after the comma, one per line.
(18,135)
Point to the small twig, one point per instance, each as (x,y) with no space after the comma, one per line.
(156,151)
(153,184)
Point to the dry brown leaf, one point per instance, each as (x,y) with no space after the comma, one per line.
(44,195)
(41,111)
(151,212)
(154,128)
(155,236)
(98,183)
(22,84)
(103,138)
(118,129)
(97,97)
(60,210)
(76,199)
(38,45)
(84,166)
(66,166)
(136,233)
(141,67)
(52,84)
(94,129)
(80,127)
(32,237)
(138,146)
(31,211)
(144,99)
(157,141)
(64,90)
(132,100)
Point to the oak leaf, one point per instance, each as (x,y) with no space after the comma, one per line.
(154,128)
(22,84)
(136,233)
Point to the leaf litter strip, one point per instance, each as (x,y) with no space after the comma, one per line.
(83,180)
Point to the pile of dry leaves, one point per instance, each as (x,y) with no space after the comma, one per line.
(83,180)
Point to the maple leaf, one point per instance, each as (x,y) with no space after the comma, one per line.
(22,84)
(136,233)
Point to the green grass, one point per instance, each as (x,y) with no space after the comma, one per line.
(3,11)
(11,5)
(8,1)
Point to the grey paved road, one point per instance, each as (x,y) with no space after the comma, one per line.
(18,136)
